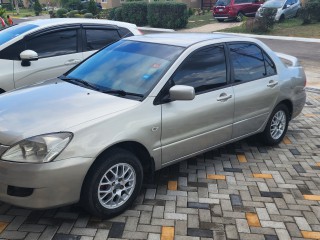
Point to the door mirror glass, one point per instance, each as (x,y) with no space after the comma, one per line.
(182,93)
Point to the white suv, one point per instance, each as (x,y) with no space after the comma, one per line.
(43,49)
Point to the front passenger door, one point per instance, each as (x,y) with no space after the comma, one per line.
(192,126)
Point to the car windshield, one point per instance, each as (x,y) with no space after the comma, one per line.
(126,68)
(273,4)
(222,2)
(14,31)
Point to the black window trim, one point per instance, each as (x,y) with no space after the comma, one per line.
(160,98)
(263,52)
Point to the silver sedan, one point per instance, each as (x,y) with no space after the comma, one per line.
(95,133)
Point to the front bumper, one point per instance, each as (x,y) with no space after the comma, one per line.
(53,184)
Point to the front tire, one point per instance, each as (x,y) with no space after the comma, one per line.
(239,17)
(112,184)
(277,126)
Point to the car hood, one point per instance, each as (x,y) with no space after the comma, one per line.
(53,106)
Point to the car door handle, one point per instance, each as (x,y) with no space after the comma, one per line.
(72,61)
(272,84)
(223,97)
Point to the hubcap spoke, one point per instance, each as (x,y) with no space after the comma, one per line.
(117,185)
(278,124)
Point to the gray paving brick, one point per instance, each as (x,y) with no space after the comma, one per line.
(283,234)
(302,223)
(242,226)
(101,234)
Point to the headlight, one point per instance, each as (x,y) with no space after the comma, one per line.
(38,149)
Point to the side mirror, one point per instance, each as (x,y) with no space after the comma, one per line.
(182,93)
(27,56)
(285,6)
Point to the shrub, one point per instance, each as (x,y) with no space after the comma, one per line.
(266,22)
(2,11)
(37,7)
(61,12)
(72,13)
(135,12)
(167,15)
(83,11)
(310,12)
(88,15)
(118,14)
(111,13)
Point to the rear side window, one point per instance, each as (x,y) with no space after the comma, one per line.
(54,43)
(98,38)
(222,2)
(204,70)
(250,62)
(124,32)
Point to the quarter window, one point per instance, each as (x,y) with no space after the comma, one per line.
(54,43)
(248,62)
(98,38)
(204,70)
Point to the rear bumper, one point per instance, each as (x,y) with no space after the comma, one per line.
(49,184)
(223,16)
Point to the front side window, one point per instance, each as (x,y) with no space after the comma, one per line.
(127,66)
(54,43)
(204,70)
(98,38)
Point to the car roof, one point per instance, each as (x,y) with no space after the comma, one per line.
(43,23)
(182,39)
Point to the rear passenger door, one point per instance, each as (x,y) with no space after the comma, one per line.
(97,37)
(256,87)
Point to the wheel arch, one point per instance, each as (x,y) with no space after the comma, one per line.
(289,105)
(136,148)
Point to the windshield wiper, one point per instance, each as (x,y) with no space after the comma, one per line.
(77,81)
(123,93)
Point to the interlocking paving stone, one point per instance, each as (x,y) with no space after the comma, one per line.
(199,232)
(116,230)
(271,194)
(60,236)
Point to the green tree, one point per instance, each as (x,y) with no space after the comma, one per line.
(37,7)
(92,7)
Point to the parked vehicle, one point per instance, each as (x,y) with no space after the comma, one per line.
(284,9)
(136,106)
(42,49)
(235,9)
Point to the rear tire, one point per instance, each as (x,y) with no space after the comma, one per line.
(277,126)
(112,183)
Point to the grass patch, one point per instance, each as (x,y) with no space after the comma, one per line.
(200,20)
(290,27)
(23,12)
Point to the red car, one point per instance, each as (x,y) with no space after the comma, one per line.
(235,9)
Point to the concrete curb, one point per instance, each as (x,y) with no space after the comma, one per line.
(298,39)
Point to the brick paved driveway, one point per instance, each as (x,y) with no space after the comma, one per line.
(242,191)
